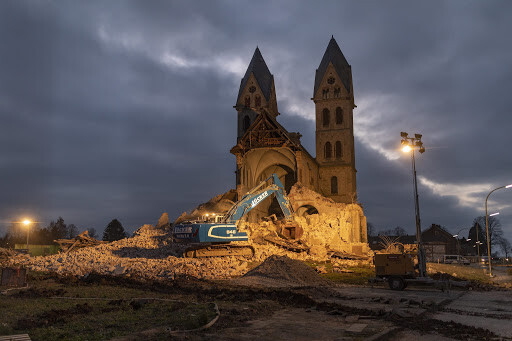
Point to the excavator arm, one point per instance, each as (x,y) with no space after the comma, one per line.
(256,196)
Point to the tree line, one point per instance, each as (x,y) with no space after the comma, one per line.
(17,233)
(496,238)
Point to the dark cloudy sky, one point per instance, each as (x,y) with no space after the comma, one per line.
(124,109)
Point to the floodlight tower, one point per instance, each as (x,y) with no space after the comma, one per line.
(409,145)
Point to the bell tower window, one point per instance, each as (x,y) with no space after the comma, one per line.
(337,92)
(247,101)
(325,117)
(334,185)
(257,101)
(339,115)
(328,150)
(338,151)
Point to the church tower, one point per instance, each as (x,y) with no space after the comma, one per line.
(334,103)
(257,92)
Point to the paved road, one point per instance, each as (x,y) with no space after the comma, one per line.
(489,310)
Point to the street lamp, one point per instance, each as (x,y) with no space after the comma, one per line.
(27,222)
(410,144)
(487,227)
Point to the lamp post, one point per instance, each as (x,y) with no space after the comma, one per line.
(409,145)
(487,227)
(27,222)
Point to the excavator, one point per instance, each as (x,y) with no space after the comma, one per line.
(214,238)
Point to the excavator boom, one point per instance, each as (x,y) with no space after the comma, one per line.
(212,239)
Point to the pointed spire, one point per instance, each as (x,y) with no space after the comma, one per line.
(333,55)
(259,68)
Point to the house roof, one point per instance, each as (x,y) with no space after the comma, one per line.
(259,68)
(333,55)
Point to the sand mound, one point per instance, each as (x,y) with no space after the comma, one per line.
(284,270)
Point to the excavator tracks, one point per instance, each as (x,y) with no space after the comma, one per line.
(202,251)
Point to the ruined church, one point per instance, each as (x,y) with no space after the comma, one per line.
(264,146)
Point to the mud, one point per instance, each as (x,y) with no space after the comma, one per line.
(52,317)
(38,293)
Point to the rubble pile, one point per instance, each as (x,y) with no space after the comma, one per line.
(328,227)
(5,254)
(219,204)
(150,255)
(80,241)
(283,270)
(335,227)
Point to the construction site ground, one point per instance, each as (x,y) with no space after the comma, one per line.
(280,299)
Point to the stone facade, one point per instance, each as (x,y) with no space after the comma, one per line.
(265,147)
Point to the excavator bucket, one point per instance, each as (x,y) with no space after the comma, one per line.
(291,230)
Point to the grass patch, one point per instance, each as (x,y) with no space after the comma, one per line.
(358,275)
(352,275)
(32,311)
(463,272)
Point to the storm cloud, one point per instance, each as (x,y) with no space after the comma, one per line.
(125,109)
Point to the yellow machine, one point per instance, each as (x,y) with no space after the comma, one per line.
(396,268)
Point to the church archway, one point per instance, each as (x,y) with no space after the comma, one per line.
(306,210)
(287,177)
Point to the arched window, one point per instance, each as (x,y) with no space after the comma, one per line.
(257,101)
(325,117)
(334,185)
(328,150)
(247,123)
(339,115)
(247,101)
(338,151)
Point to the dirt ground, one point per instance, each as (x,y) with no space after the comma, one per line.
(279,300)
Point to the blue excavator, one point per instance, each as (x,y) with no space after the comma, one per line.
(210,239)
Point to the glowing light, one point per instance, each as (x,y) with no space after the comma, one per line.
(455,235)
(508,186)
(491,215)
(406,149)
(26,222)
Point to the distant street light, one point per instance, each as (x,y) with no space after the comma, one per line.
(487,227)
(492,215)
(410,144)
(27,222)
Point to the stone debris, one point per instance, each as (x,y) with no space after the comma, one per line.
(5,254)
(337,230)
(284,269)
(151,254)
(219,204)
(82,240)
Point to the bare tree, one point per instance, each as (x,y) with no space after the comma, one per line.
(370,229)
(495,232)
(72,231)
(505,246)
(397,231)
(92,233)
